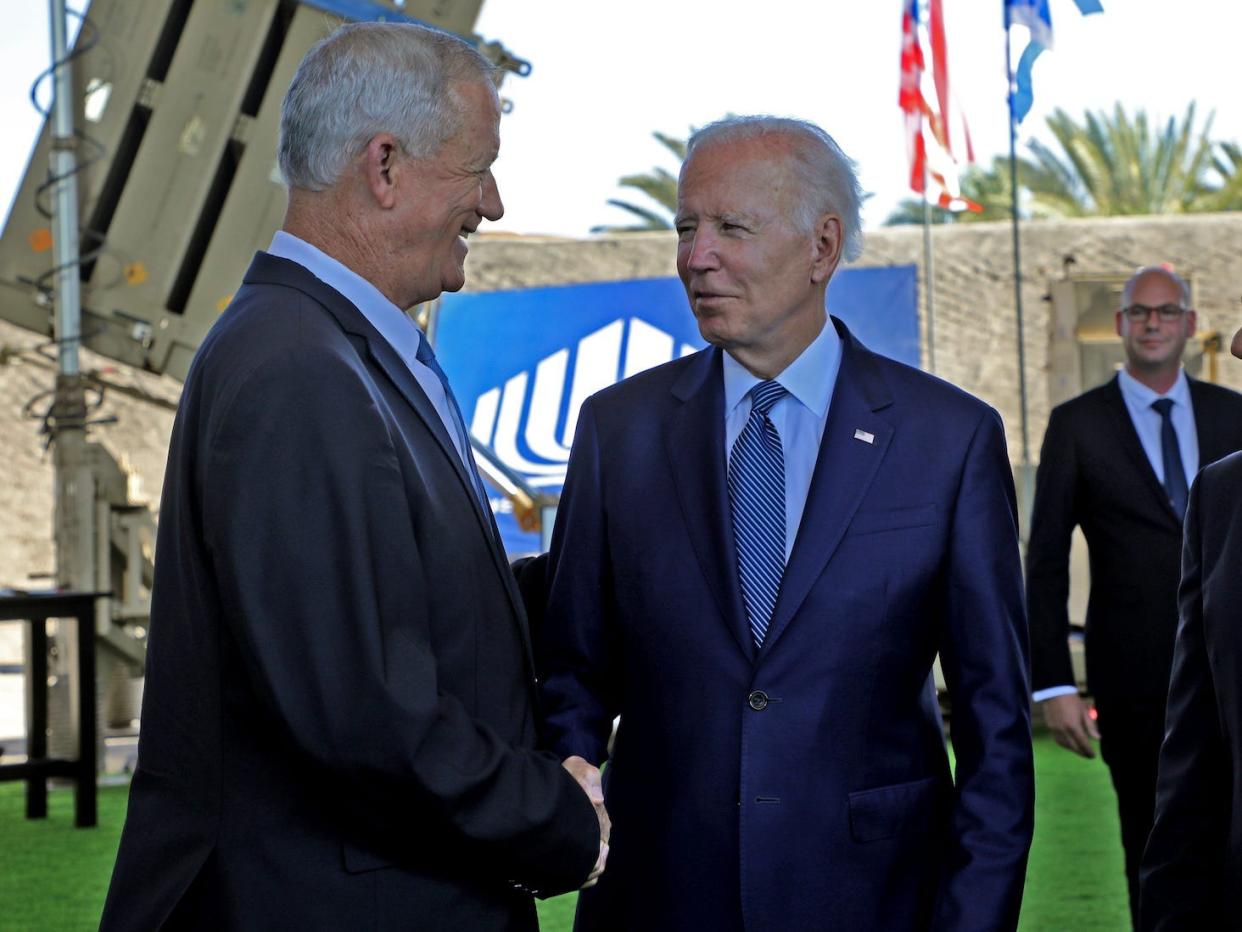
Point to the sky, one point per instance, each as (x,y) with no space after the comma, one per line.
(605,75)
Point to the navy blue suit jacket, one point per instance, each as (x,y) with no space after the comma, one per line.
(338,726)
(806,785)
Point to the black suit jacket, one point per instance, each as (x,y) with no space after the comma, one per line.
(1093,473)
(338,722)
(1192,869)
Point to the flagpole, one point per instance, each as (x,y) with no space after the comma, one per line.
(1027,484)
(928,276)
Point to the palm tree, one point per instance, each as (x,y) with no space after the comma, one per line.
(1113,165)
(1228,166)
(1107,165)
(660,185)
(987,187)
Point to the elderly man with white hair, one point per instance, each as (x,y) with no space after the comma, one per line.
(760,550)
(338,728)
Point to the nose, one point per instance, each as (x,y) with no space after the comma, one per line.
(701,255)
(490,205)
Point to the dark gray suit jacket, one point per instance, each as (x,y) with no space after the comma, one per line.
(338,723)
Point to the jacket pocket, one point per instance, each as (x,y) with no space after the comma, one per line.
(893,519)
(900,809)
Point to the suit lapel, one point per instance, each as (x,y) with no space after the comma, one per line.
(1208,423)
(386,358)
(694,443)
(388,361)
(1128,439)
(844,471)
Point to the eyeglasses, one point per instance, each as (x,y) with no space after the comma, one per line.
(1140,312)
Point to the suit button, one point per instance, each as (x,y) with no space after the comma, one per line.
(758,700)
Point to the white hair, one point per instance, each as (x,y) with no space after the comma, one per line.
(1183,289)
(369,78)
(827,176)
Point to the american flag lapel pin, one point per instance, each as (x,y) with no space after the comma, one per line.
(864,436)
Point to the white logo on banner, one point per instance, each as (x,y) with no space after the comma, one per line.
(523,434)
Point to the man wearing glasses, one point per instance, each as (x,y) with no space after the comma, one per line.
(1118,461)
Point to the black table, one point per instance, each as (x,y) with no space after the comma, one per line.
(35,609)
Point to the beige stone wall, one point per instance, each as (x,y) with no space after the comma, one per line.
(976,342)
(974,328)
(139,439)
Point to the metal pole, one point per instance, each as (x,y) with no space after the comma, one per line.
(929,279)
(1026,490)
(72,460)
(65,198)
(1017,250)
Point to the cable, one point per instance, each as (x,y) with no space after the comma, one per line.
(90,151)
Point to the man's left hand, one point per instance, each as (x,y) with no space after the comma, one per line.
(587,775)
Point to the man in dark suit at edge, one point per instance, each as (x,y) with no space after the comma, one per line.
(1192,867)
(1117,462)
(760,549)
(338,727)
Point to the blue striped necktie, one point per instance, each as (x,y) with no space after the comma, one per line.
(757,500)
(427,357)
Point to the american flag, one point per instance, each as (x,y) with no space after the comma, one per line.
(910,98)
(949,138)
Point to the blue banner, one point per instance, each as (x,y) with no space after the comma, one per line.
(522,362)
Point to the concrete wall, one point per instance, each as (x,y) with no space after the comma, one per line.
(975,332)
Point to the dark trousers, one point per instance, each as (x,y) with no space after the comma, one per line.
(1130,736)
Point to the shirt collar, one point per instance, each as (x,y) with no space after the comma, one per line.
(392,322)
(1141,396)
(809,378)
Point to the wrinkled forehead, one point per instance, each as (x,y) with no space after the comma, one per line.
(731,174)
(770,149)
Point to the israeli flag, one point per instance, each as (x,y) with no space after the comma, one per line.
(1035,16)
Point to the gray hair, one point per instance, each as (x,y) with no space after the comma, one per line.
(826,174)
(1183,289)
(369,78)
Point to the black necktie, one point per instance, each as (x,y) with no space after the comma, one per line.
(1174,474)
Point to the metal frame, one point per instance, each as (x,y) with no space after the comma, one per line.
(35,610)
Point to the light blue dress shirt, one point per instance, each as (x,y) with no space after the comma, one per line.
(393,324)
(1147,421)
(1147,424)
(799,417)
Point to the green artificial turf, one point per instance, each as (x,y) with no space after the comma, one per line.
(54,877)
(1075,879)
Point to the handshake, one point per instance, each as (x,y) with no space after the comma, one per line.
(588,778)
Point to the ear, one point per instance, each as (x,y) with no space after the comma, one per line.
(1119,323)
(1191,322)
(380,169)
(828,244)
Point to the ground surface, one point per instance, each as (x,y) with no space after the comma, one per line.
(54,877)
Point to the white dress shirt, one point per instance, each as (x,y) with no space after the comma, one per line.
(393,324)
(798,417)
